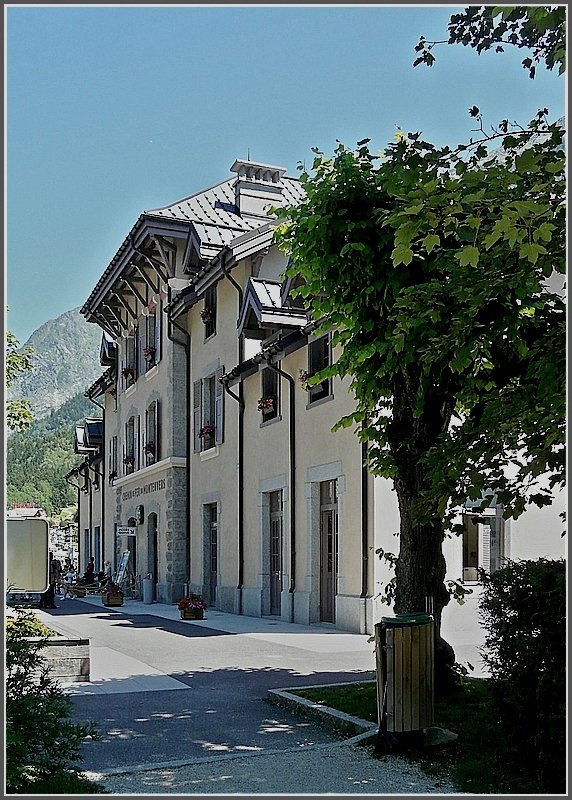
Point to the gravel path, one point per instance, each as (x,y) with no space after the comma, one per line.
(342,769)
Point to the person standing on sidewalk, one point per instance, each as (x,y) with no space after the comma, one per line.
(47,598)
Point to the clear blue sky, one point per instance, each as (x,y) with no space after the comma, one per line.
(114,110)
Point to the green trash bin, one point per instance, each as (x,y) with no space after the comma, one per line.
(405,672)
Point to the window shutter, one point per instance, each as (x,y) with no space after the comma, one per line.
(485,547)
(137,449)
(158,321)
(150,414)
(219,407)
(141,363)
(197,402)
(150,325)
(157,432)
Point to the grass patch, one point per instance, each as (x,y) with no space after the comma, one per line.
(358,699)
(474,761)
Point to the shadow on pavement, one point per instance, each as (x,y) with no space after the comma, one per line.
(224,711)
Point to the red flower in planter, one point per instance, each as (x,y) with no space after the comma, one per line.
(266,403)
(193,601)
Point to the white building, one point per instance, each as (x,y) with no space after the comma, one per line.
(220,471)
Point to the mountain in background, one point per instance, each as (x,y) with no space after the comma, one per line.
(66,361)
(38,459)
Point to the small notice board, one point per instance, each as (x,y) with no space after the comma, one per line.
(122,569)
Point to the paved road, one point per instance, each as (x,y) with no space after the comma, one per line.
(182,706)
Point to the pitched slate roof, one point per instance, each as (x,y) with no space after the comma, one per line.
(208,219)
(214,216)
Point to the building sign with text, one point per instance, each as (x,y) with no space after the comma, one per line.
(147,488)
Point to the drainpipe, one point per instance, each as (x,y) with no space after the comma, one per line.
(240,400)
(292,438)
(90,515)
(364,521)
(187,345)
(103,487)
(76,486)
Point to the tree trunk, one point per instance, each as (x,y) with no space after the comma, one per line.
(420,569)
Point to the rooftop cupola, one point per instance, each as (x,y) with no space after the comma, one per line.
(257,188)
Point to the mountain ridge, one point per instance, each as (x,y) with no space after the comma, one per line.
(65,355)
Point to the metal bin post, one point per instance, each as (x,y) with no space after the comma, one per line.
(148,590)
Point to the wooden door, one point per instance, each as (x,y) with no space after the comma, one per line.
(213,553)
(327,565)
(276,532)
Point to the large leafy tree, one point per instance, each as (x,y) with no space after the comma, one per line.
(433,267)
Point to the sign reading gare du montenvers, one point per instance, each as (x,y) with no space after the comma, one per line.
(147,488)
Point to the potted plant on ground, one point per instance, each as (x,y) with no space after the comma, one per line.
(192,606)
(112,595)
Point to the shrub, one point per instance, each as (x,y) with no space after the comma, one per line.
(26,623)
(523,607)
(41,742)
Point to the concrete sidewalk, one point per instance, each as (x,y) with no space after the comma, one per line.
(114,672)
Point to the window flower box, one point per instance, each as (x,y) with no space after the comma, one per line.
(206,431)
(303,379)
(129,461)
(149,353)
(150,449)
(112,475)
(266,404)
(128,373)
(207,314)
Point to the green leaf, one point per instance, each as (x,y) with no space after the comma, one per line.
(468,255)
(555,166)
(492,238)
(414,209)
(544,232)
(402,255)
(430,242)
(531,251)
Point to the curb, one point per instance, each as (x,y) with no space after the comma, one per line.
(337,720)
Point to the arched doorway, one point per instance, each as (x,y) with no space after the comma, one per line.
(152,552)
(132,547)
